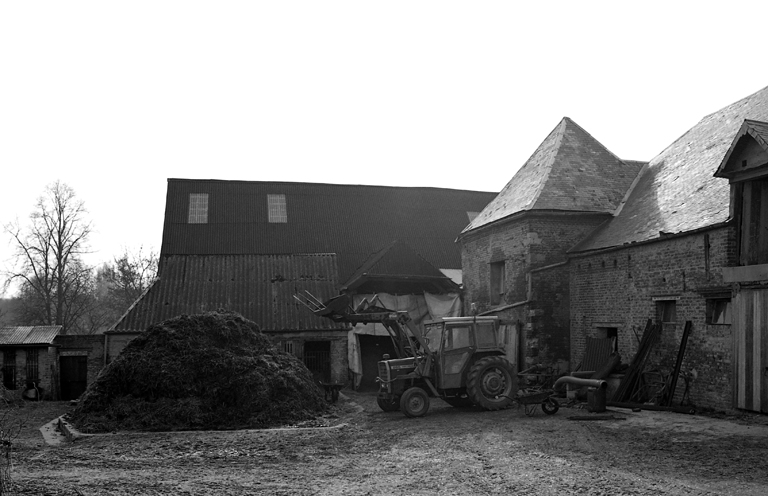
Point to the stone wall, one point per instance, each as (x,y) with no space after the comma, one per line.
(622,288)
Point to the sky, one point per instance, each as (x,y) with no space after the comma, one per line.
(114,98)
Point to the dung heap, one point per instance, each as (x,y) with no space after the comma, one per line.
(210,371)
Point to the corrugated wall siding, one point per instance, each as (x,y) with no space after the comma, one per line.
(750,327)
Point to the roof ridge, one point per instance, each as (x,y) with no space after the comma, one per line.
(307,183)
(547,166)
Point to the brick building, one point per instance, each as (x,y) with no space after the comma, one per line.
(685,242)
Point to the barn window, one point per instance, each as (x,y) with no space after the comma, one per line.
(9,369)
(198,208)
(719,311)
(33,369)
(498,283)
(753,225)
(666,311)
(277,209)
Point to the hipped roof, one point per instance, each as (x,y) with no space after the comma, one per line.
(259,287)
(677,191)
(569,171)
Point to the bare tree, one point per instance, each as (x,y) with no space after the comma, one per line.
(53,280)
(121,282)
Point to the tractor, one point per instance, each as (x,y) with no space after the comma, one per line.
(460,360)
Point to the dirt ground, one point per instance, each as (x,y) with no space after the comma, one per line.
(359,450)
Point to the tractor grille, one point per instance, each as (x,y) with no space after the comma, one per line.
(384,371)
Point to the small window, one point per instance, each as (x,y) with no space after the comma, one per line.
(198,208)
(498,283)
(278,213)
(666,311)
(33,369)
(719,311)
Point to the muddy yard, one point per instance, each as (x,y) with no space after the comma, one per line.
(359,450)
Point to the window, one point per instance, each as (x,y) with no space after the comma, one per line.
(719,311)
(456,337)
(278,212)
(9,369)
(485,335)
(666,311)
(33,371)
(198,208)
(498,275)
(753,225)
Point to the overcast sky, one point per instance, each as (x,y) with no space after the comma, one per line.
(113,98)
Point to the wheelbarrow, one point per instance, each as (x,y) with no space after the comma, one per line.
(531,399)
(331,390)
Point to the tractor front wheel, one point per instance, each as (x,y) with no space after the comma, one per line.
(389,405)
(491,383)
(414,402)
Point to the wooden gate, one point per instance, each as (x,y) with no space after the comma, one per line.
(74,376)
(750,332)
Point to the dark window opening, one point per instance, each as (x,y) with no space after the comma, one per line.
(9,369)
(666,311)
(498,283)
(753,225)
(611,333)
(317,358)
(719,311)
(33,370)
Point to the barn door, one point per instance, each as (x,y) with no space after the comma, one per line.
(74,376)
(750,324)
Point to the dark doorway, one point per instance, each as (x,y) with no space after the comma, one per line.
(371,350)
(317,358)
(74,376)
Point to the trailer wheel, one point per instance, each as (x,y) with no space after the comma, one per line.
(414,402)
(391,405)
(491,383)
(550,406)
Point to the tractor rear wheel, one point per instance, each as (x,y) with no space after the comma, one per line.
(391,405)
(491,383)
(414,402)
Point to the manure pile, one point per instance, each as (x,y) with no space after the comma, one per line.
(209,371)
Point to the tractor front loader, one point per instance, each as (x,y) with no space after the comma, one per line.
(460,360)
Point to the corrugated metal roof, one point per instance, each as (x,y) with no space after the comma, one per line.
(677,192)
(352,221)
(260,287)
(28,335)
(569,171)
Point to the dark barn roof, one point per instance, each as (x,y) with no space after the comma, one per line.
(677,191)
(260,287)
(569,171)
(350,220)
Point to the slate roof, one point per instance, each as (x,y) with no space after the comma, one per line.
(28,335)
(397,268)
(260,287)
(569,171)
(677,192)
(352,221)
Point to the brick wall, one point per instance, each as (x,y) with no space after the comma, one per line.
(617,288)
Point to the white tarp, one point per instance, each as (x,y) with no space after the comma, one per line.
(419,307)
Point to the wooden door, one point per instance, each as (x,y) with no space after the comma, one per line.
(750,332)
(74,376)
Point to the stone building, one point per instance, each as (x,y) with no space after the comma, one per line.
(684,242)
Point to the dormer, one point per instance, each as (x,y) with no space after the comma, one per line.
(745,165)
